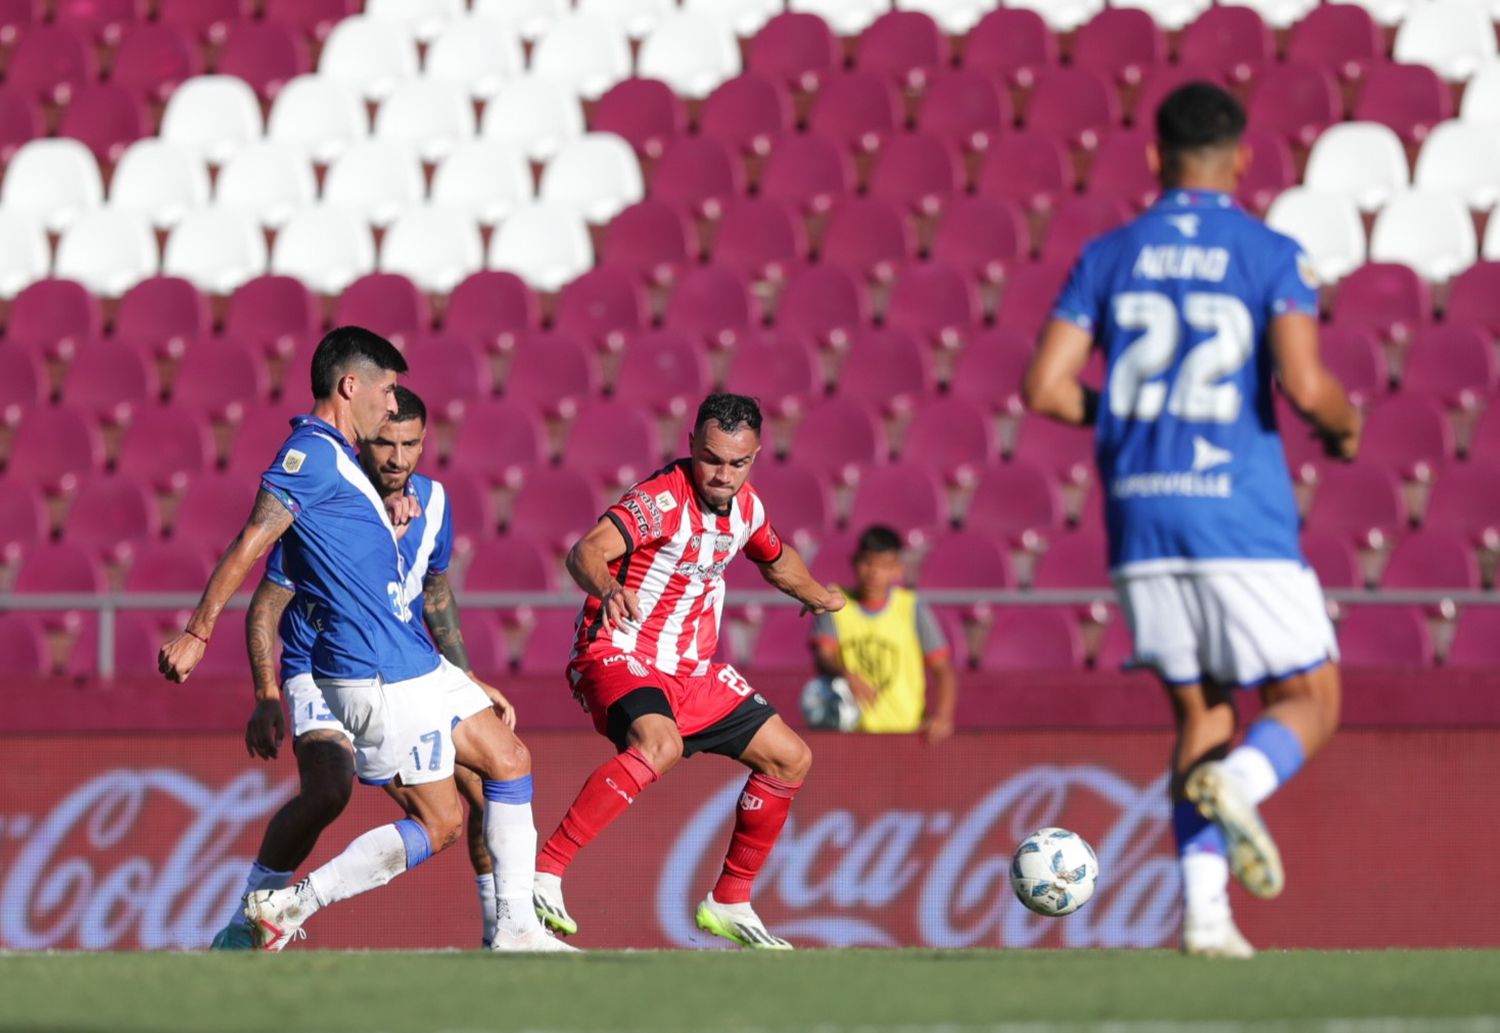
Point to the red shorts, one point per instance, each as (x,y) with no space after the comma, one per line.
(602,678)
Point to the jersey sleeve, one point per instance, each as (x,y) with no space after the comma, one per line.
(1293,282)
(764,545)
(304,473)
(1080,302)
(276,571)
(823,627)
(930,631)
(646,513)
(442,545)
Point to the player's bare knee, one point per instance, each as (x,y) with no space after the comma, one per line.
(793,762)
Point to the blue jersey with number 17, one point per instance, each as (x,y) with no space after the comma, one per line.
(1180,300)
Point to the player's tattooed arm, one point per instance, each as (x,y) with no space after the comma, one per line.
(790,575)
(261,623)
(440,611)
(1052,387)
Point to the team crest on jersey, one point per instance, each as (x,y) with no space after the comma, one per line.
(293,461)
(665,500)
(723,542)
(1306,271)
(695,543)
(635,667)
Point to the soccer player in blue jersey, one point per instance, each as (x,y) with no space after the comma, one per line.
(1197,308)
(411,712)
(324,748)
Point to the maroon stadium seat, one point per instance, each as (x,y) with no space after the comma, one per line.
(903,496)
(1476,643)
(50,61)
(210,20)
(106,117)
(1295,101)
(1120,171)
(23,645)
(1063,451)
(933,301)
(830,565)
(549,640)
(163,444)
(1272,169)
(981,237)
(1332,558)
(756,235)
(551,371)
(797,49)
(1474,296)
(54,313)
(1354,355)
(884,369)
(918,171)
(966,559)
(1431,559)
(836,434)
(1463,499)
(215,506)
(1012,499)
(387,303)
(1078,220)
(823,303)
(1074,104)
(26,381)
(782,642)
(445,369)
(315,18)
(643,112)
(797,500)
(1115,647)
(267,55)
(1012,44)
(650,239)
(901,45)
(711,304)
(1340,37)
(1159,81)
(990,369)
(20,121)
(664,370)
(261,431)
(165,313)
(1030,292)
(1353,501)
(59,567)
(23,519)
(1121,44)
(218,375)
(1387,297)
(276,313)
(153,60)
(511,564)
(612,441)
(472,505)
(604,306)
(806,172)
(492,308)
(950,434)
(495,437)
(1453,364)
(168,567)
(1033,638)
(1384,636)
(52,443)
(866,236)
(1411,99)
(1405,432)
(696,174)
(106,511)
(1078,560)
(110,380)
(746,113)
(966,107)
(555,505)
(779,368)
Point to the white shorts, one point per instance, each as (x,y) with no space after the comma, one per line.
(404,728)
(309,710)
(1238,625)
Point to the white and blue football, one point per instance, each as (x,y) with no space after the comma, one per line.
(829,703)
(1054,872)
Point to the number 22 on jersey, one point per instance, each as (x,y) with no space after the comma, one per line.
(1195,394)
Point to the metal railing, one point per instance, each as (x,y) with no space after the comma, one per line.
(107,605)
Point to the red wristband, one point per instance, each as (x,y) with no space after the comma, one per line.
(200,638)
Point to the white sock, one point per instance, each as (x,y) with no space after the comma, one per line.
(1252,773)
(371,861)
(486,886)
(260,878)
(510,834)
(1205,886)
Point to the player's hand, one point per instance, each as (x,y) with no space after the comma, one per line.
(935,729)
(1345,447)
(864,693)
(266,729)
(502,706)
(619,607)
(824,600)
(179,656)
(402,509)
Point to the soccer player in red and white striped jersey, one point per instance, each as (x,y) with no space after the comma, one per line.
(653,568)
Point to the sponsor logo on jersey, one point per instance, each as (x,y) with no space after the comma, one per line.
(750,802)
(702,571)
(635,667)
(642,522)
(646,505)
(665,500)
(1181,484)
(1187,225)
(293,461)
(1207,455)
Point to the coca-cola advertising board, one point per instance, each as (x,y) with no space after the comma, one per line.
(142,842)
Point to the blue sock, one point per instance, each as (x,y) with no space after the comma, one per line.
(1193,832)
(414,838)
(1280,746)
(516,790)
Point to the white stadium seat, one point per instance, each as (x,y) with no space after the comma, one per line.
(545,245)
(486,178)
(747,17)
(25,256)
(536,114)
(532,18)
(1489,249)
(1431,231)
(851,17)
(55,181)
(1171,15)
(1463,158)
(1481,103)
(1454,38)
(1364,161)
(216,249)
(692,53)
(371,56)
(423,19)
(430,116)
(636,17)
(326,248)
(1326,225)
(480,54)
(320,114)
(108,251)
(596,175)
(270,180)
(1279,14)
(379,179)
(1061,15)
(1387,12)
(433,247)
(214,115)
(590,53)
(162,180)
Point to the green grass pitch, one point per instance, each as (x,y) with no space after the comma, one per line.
(818,991)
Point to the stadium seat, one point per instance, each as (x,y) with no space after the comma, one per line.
(207,21)
(551,373)
(25,256)
(746,113)
(322,116)
(107,118)
(216,378)
(217,249)
(1454,38)
(480,54)
(489,306)
(54,181)
(1030,291)
(423,19)
(1453,364)
(1172,15)
(1462,500)
(845,17)
(268,180)
(933,301)
(651,240)
(1011,502)
(781,369)
(153,59)
(258,436)
(376,180)
(836,436)
(1158,82)
(275,313)
(110,381)
(1410,99)
(1431,231)
(427,116)
(212,115)
(951,435)
(52,444)
(612,441)
(991,367)
(49,61)
(107,512)
(23,645)
(1474,296)
(1297,101)
(885,370)
(797,498)
(809,172)
(1354,355)
(795,48)
(1233,41)
(1333,558)
(866,237)
(782,642)
(436,247)
(1389,12)
(496,437)
(108,251)
(1353,501)
(1078,220)
(550,636)
(1073,561)
(1065,452)
(537,115)
(1431,559)
(904,46)
(1476,642)
(1012,43)
(596,176)
(1388,298)
(822,303)
(20,121)
(643,112)
(745,17)
(665,371)
(1481,102)
(1279,14)
(1490,248)
(589,54)
(916,171)
(487,179)
(1464,158)
(1062,15)
(1121,172)
(691,53)
(855,110)
(57,315)
(1033,638)
(636,18)
(1363,161)
(164,445)
(1073,104)
(370,56)
(604,306)
(388,303)
(1385,637)
(1272,170)
(326,248)
(26,383)
(267,55)
(169,567)
(980,237)
(756,237)
(446,370)
(164,314)
(966,559)
(1120,43)
(697,176)
(101,21)
(906,497)
(472,505)
(966,107)
(530,17)
(1326,225)
(1340,37)
(59,567)
(1406,433)
(713,305)
(553,505)
(160,180)
(1030,168)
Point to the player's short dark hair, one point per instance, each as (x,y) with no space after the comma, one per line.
(1198,116)
(409,406)
(729,412)
(877,538)
(345,347)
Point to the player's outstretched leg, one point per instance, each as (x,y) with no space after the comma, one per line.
(325,766)
(779,762)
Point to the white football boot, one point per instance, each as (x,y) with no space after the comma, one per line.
(547,898)
(1253,857)
(1214,938)
(738,923)
(538,941)
(276,917)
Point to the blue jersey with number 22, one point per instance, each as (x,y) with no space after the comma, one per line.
(1180,300)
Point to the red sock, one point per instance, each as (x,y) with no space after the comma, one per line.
(762,812)
(612,787)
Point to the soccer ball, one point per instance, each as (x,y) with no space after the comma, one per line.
(1054,872)
(829,703)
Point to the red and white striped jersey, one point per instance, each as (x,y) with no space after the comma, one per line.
(674,562)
